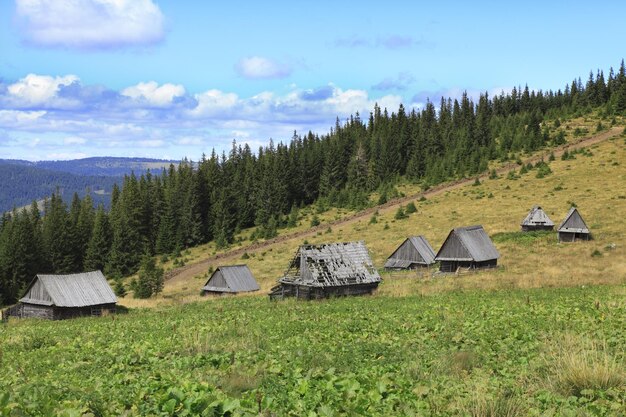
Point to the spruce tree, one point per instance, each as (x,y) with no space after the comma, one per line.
(99,244)
(150,280)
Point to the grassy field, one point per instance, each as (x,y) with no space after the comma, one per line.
(523,352)
(594,180)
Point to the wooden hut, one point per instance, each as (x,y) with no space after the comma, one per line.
(334,269)
(57,297)
(414,252)
(537,219)
(573,227)
(467,248)
(230,279)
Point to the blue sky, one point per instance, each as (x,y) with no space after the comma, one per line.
(170,79)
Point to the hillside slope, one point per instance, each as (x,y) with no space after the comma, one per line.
(591,181)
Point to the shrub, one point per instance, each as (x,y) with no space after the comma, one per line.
(373,219)
(543,169)
(596,253)
(559,138)
(386,226)
(476,182)
(315,221)
(245,256)
(400,214)
(512,175)
(119,288)
(493,175)
(410,208)
(599,127)
(551,158)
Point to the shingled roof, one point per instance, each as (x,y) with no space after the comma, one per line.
(72,290)
(231,279)
(414,250)
(537,217)
(467,244)
(573,223)
(332,264)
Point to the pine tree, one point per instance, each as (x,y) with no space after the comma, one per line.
(58,246)
(99,244)
(150,280)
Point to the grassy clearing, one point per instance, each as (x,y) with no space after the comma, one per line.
(469,353)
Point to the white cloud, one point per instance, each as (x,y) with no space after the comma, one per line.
(148,118)
(258,67)
(16,118)
(36,90)
(214,103)
(90,24)
(151,93)
(74,140)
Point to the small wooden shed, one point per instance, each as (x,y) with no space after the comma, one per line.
(57,297)
(573,227)
(230,279)
(414,252)
(537,219)
(331,269)
(467,248)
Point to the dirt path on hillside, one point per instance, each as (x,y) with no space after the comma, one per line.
(200,267)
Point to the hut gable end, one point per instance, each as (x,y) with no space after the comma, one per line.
(573,223)
(453,248)
(231,279)
(37,294)
(537,217)
(415,250)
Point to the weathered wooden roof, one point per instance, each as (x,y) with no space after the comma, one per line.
(467,244)
(231,278)
(573,222)
(537,217)
(72,290)
(332,264)
(414,250)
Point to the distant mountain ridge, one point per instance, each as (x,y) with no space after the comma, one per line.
(21,181)
(100,166)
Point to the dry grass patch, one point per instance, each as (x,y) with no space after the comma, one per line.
(499,405)
(579,367)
